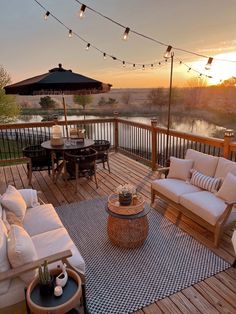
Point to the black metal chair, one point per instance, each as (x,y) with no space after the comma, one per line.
(81,163)
(38,159)
(102,148)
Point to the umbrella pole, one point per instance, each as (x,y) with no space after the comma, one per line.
(65,115)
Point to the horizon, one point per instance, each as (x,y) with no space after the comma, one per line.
(40,45)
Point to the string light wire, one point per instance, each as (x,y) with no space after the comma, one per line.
(150,38)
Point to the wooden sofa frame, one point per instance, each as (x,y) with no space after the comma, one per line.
(217,229)
(61,256)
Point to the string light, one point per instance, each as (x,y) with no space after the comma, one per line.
(104,56)
(70,33)
(134,66)
(123,63)
(126,33)
(209,62)
(46,15)
(168,52)
(82,9)
(143,66)
(152,65)
(88,45)
(148,37)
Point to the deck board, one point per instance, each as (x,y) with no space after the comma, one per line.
(213,295)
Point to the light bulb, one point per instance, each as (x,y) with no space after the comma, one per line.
(167,53)
(46,15)
(151,65)
(209,62)
(104,56)
(123,64)
(88,45)
(70,33)
(143,67)
(82,9)
(134,66)
(126,33)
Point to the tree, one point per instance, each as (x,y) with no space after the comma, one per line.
(47,102)
(157,97)
(126,98)
(9,109)
(196,86)
(83,100)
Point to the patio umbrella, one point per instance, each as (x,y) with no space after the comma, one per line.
(58,81)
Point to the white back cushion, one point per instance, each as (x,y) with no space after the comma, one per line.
(30,197)
(4,263)
(224,167)
(180,168)
(206,164)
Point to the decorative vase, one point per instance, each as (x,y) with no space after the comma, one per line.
(48,288)
(125,199)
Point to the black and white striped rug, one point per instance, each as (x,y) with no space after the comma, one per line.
(121,281)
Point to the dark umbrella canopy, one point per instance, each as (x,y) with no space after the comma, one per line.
(58,81)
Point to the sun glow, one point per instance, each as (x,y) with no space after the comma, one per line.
(220,70)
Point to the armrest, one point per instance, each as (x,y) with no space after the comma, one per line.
(163,170)
(230,203)
(15,272)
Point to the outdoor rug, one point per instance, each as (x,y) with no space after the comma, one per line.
(120,281)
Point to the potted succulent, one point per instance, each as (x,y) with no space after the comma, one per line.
(45,280)
(125,193)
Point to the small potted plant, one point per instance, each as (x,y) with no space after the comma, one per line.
(125,193)
(45,279)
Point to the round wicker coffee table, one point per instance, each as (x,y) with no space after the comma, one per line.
(128,231)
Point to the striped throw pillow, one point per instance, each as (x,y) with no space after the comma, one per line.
(206,183)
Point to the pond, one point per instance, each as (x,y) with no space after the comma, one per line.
(179,123)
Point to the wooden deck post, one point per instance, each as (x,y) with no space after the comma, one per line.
(154,144)
(116,131)
(228,138)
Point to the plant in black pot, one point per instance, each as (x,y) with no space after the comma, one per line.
(45,280)
(125,193)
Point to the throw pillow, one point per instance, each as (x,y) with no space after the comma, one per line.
(4,263)
(12,219)
(13,201)
(21,251)
(205,182)
(30,197)
(228,189)
(180,168)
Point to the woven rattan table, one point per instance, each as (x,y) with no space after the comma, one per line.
(128,231)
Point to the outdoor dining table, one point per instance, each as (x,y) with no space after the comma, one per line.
(69,145)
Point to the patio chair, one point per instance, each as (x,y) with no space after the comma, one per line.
(38,159)
(102,148)
(81,163)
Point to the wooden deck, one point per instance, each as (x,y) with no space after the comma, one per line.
(213,295)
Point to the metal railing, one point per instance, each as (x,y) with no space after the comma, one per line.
(147,143)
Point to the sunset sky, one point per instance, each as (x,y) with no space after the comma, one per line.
(31,46)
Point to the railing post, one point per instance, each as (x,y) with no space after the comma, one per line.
(228,138)
(116,131)
(154,144)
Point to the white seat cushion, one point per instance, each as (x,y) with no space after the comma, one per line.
(173,188)
(56,241)
(40,219)
(204,204)
(224,166)
(206,164)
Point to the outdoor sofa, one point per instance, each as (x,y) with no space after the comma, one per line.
(202,187)
(29,234)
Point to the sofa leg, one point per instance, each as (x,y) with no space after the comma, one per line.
(234,264)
